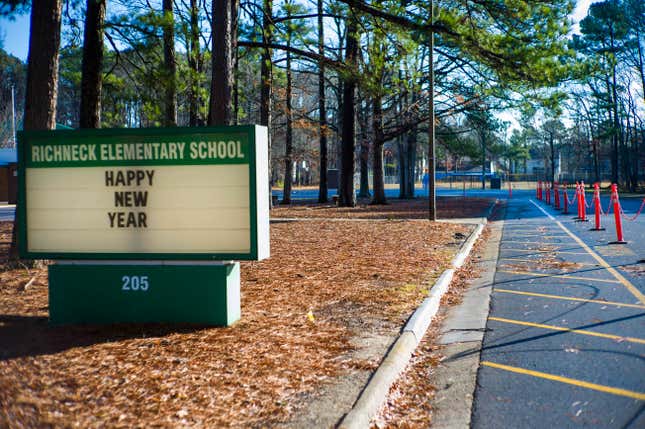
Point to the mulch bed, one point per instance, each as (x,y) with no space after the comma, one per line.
(300,311)
(409,403)
(447,208)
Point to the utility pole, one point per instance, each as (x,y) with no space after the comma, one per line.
(13,115)
(432,195)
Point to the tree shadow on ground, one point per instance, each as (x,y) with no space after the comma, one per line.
(29,336)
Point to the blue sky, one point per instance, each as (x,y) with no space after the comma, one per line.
(15,34)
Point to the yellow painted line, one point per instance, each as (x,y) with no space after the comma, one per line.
(544,243)
(540,260)
(573,331)
(579,383)
(562,276)
(544,251)
(630,287)
(521,234)
(571,298)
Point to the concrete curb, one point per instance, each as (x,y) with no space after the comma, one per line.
(399,355)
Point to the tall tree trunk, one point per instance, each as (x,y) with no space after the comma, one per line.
(224,15)
(42,67)
(432,196)
(412,161)
(377,156)
(42,77)
(288,156)
(364,188)
(483,139)
(347,197)
(266,77)
(195,66)
(92,68)
(322,109)
(170,65)
(552,147)
(617,134)
(403,167)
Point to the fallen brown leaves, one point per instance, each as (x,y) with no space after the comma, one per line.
(447,208)
(300,311)
(409,403)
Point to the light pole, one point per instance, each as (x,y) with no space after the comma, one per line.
(432,196)
(13,115)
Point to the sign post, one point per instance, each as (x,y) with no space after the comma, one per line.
(144,224)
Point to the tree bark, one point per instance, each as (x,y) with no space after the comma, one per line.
(322,109)
(288,156)
(92,68)
(42,68)
(347,196)
(552,148)
(377,157)
(266,77)
(42,77)
(403,167)
(195,66)
(170,65)
(364,187)
(483,139)
(412,161)
(224,16)
(432,195)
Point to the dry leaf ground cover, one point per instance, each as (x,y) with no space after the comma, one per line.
(349,276)
(409,404)
(447,208)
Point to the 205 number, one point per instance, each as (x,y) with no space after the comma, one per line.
(135,283)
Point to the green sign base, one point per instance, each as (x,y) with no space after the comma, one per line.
(92,293)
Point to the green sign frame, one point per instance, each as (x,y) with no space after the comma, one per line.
(254,143)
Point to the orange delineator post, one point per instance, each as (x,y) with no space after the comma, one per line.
(619,225)
(583,202)
(579,200)
(566,200)
(548,194)
(539,190)
(596,203)
(556,195)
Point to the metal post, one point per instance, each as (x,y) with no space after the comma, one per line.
(432,195)
(13,115)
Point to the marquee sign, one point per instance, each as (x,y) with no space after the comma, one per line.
(155,194)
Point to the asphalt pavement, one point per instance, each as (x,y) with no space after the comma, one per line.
(7,212)
(565,341)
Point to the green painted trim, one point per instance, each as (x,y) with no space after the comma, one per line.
(25,138)
(204,294)
(21,206)
(102,148)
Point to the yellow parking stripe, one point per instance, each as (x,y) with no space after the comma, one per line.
(532,242)
(570,298)
(593,386)
(563,276)
(574,331)
(539,260)
(597,257)
(545,251)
